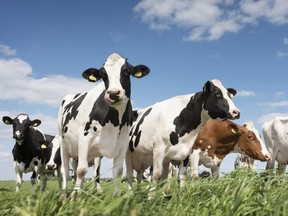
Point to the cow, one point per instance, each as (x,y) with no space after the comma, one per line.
(32,149)
(55,162)
(217,139)
(243,161)
(166,131)
(96,123)
(275,133)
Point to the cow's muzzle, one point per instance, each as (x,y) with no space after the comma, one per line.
(112,97)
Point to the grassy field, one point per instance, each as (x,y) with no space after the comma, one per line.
(237,193)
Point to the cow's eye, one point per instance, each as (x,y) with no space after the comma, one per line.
(125,73)
(217,95)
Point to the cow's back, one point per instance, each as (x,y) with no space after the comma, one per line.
(155,123)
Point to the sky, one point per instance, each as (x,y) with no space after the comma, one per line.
(46,45)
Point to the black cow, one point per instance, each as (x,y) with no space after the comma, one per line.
(32,149)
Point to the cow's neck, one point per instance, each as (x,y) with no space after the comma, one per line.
(189,119)
(192,116)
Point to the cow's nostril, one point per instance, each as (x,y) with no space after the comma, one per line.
(114,95)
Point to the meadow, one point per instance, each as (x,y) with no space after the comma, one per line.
(239,192)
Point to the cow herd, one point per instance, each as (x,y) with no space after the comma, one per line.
(187,131)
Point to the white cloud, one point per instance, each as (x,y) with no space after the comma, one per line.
(7,51)
(17,83)
(276,104)
(268,117)
(244,93)
(210,19)
(281,54)
(279,94)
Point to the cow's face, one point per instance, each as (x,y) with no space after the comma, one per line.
(218,102)
(116,73)
(21,125)
(251,143)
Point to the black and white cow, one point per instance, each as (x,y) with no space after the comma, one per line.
(167,130)
(97,122)
(32,149)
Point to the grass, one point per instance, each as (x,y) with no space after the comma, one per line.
(236,193)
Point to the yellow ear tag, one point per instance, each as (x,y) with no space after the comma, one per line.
(233,130)
(43,146)
(138,74)
(6,122)
(35,125)
(92,77)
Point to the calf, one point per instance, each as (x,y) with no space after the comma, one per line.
(167,130)
(96,123)
(275,134)
(219,138)
(32,149)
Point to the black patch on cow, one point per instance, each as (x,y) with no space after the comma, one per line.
(174,139)
(127,118)
(137,132)
(71,110)
(125,72)
(189,118)
(57,158)
(102,113)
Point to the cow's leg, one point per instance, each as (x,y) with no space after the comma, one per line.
(43,181)
(271,163)
(281,168)
(182,174)
(140,176)
(96,173)
(129,168)
(117,171)
(215,171)
(194,158)
(64,167)
(59,177)
(165,171)
(74,165)
(158,158)
(18,176)
(33,179)
(82,167)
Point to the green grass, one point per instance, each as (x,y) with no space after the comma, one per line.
(237,193)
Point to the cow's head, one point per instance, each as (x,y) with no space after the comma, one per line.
(218,103)
(116,73)
(21,125)
(250,143)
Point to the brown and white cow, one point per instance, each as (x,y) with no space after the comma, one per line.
(217,139)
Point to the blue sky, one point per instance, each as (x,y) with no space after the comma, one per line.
(46,45)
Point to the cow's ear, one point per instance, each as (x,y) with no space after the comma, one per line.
(7,120)
(35,123)
(140,71)
(231,92)
(92,74)
(233,128)
(206,87)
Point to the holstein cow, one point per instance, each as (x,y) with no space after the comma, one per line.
(32,149)
(167,130)
(243,161)
(219,138)
(275,134)
(96,123)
